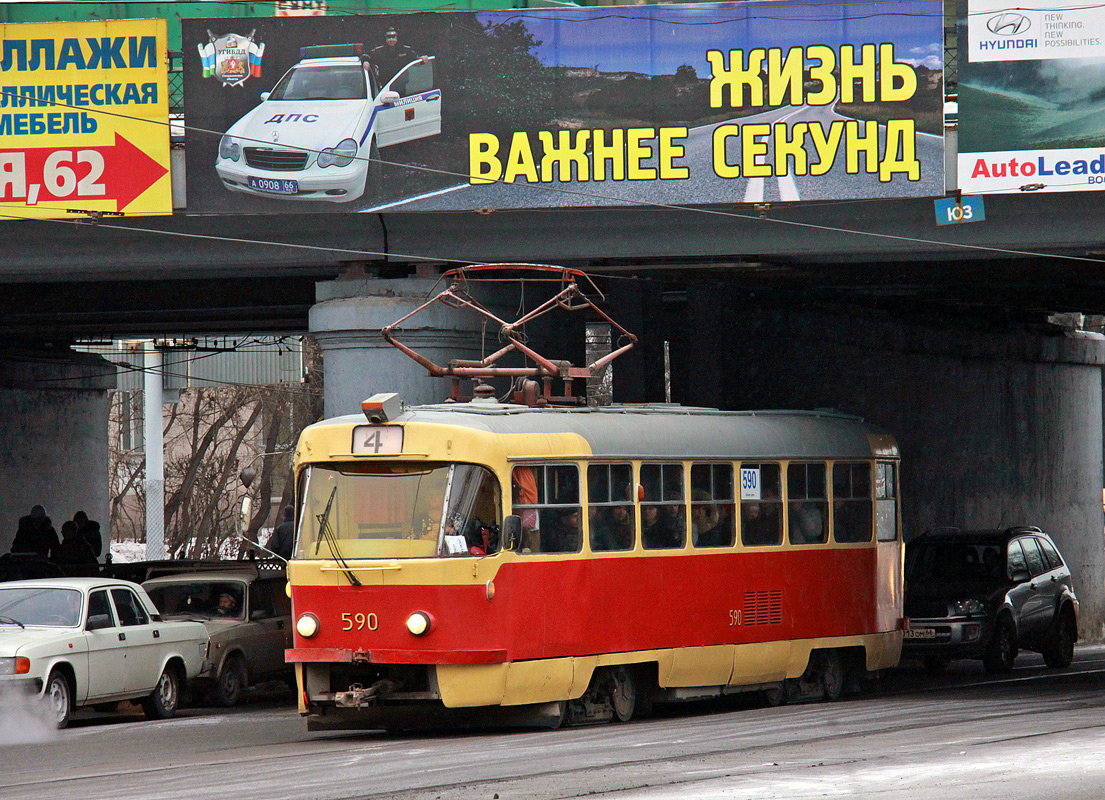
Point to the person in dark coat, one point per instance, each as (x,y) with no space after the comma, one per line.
(284,536)
(36,535)
(89,530)
(73,551)
(564,535)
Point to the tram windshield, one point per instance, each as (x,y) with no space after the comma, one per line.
(398,510)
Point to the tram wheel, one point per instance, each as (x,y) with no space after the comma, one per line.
(774,695)
(832,675)
(623,694)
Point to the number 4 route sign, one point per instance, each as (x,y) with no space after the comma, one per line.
(954,210)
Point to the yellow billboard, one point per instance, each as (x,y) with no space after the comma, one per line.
(84,119)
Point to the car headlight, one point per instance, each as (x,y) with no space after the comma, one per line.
(228,148)
(340,156)
(970,606)
(18,665)
(307,625)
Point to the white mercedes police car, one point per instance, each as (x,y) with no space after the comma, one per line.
(317,134)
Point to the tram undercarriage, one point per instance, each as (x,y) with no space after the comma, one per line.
(405,697)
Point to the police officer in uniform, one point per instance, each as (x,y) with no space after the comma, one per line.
(390,57)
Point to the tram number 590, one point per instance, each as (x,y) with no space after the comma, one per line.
(734,617)
(359,621)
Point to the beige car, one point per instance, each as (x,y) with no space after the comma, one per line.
(247,614)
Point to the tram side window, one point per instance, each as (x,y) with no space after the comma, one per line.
(886,502)
(852,516)
(546,497)
(472,516)
(610,519)
(712,509)
(663,510)
(761,505)
(808,509)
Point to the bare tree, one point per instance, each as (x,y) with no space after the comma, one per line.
(211,434)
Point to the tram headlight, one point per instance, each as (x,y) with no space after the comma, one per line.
(418,623)
(307,625)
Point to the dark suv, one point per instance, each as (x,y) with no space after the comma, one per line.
(985,594)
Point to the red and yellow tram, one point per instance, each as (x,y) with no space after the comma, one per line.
(584,563)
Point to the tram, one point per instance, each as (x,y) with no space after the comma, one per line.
(581,564)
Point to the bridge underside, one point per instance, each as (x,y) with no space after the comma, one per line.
(1033,255)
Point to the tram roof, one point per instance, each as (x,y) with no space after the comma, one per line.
(661,430)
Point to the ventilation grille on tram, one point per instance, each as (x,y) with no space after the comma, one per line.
(276,160)
(763,607)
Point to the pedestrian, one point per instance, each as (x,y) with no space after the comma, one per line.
(74,551)
(283,537)
(36,535)
(89,530)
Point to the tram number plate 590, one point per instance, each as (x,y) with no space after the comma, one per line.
(359,621)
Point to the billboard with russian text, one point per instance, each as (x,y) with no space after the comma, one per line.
(84,119)
(1032,98)
(751,102)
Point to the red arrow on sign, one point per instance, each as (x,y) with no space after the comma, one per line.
(119,172)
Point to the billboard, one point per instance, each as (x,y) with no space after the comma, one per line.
(541,108)
(1032,98)
(84,119)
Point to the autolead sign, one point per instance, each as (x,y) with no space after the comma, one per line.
(84,119)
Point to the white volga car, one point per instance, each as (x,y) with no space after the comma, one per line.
(73,642)
(316,136)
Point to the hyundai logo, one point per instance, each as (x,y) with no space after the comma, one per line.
(1008,24)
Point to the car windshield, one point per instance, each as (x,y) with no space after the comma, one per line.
(322,83)
(35,605)
(955,561)
(398,510)
(211,599)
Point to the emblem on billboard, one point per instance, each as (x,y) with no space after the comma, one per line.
(231,58)
(1008,24)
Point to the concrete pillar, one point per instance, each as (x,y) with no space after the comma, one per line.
(357,361)
(997,426)
(55,405)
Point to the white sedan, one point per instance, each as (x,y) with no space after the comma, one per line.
(73,642)
(316,136)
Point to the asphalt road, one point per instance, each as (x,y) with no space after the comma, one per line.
(1036,733)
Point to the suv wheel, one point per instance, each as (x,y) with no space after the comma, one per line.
(1060,647)
(1002,650)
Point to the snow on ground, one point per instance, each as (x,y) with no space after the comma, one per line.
(127,552)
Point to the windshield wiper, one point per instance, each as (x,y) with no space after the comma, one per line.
(327,533)
(11,621)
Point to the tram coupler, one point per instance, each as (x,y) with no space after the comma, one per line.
(357,696)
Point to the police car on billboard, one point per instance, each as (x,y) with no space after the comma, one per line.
(316,136)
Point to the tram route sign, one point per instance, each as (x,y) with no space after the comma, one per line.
(84,119)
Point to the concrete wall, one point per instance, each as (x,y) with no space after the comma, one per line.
(54,438)
(995,428)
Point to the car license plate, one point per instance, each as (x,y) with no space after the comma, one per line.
(921,633)
(272,185)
